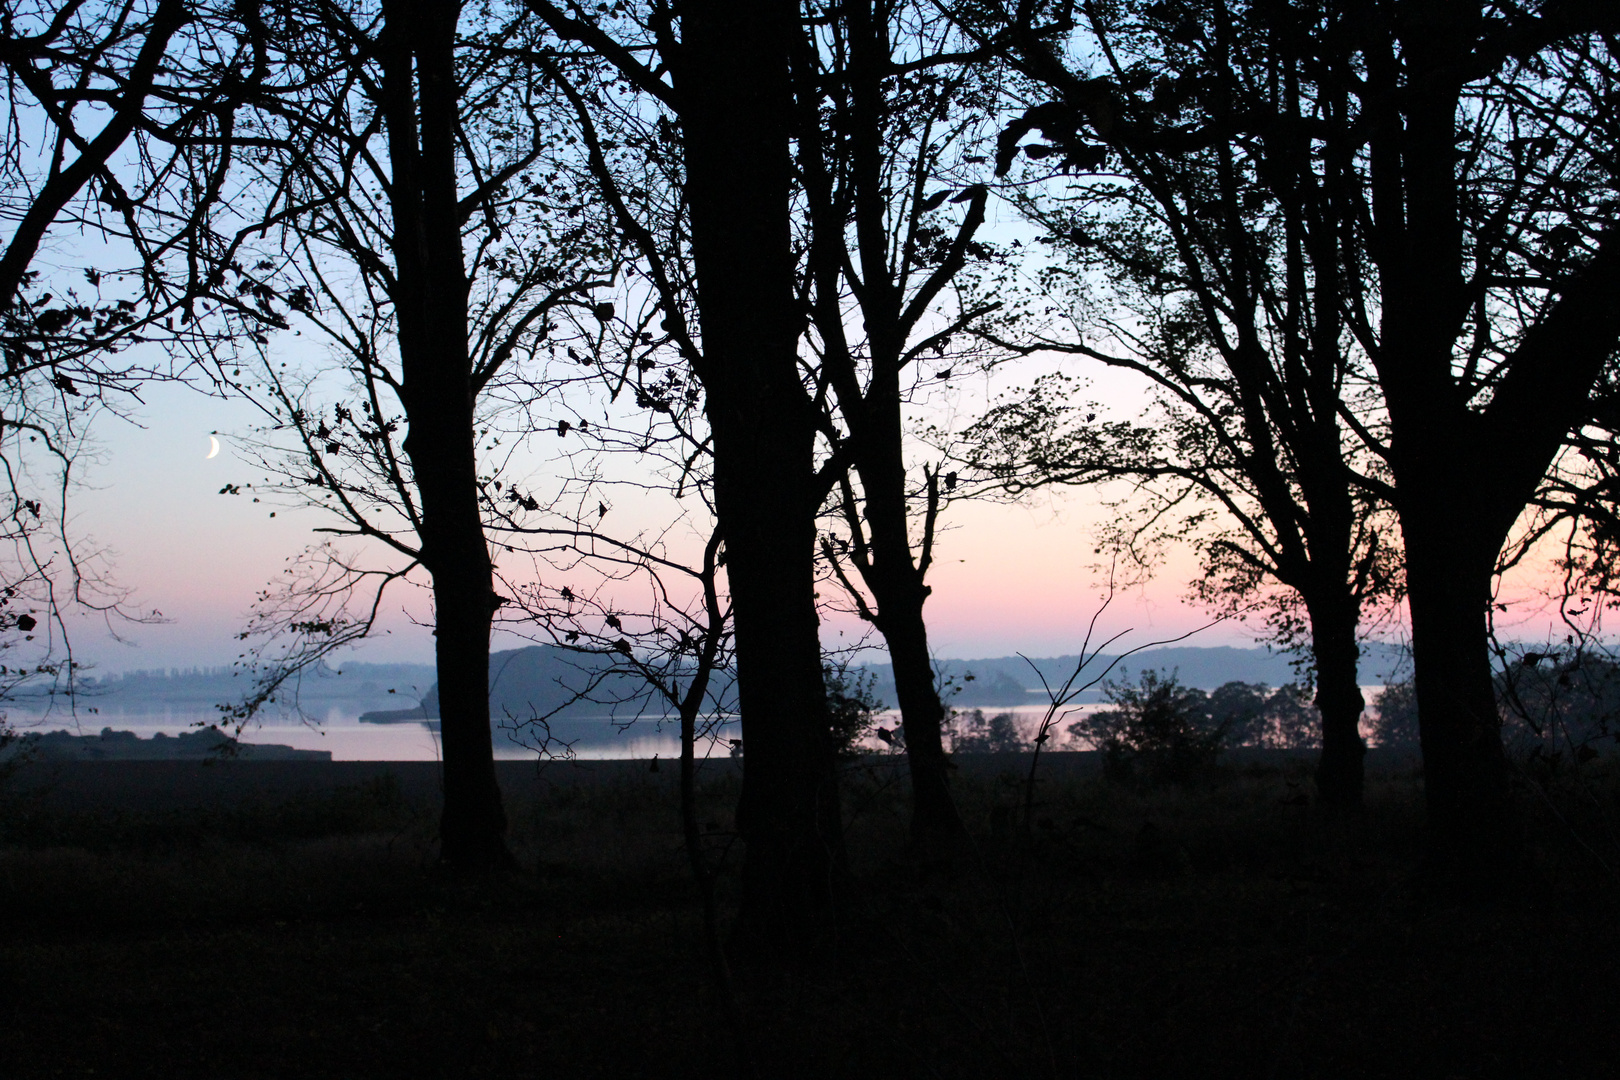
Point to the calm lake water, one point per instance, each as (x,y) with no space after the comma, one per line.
(340,731)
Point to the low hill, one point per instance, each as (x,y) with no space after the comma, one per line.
(547,682)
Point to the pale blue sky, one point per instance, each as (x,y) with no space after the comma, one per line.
(1008,578)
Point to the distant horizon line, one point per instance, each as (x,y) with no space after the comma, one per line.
(178,670)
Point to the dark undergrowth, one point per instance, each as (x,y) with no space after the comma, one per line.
(1219,930)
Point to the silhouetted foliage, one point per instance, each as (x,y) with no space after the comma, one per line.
(852,706)
(1224,294)
(1560,701)
(1161,731)
(115,154)
(1158,730)
(973,733)
(1446,172)
(1256,715)
(1395,721)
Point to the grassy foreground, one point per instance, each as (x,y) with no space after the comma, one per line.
(1220,931)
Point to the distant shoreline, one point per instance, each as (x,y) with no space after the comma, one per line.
(207,744)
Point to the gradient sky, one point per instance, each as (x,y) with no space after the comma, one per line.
(1007,578)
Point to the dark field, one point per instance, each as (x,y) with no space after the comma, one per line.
(266,920)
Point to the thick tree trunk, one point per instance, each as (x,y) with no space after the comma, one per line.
(1452,528)
(788,813)
(472,830)
(438,394)
(1340,769)
(736,115)
(1464,765)
(1463,478)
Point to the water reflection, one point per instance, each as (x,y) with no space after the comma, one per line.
(340,731)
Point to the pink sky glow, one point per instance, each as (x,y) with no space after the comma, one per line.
(1006,579)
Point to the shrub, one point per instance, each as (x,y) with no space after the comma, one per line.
(973,734)
(1560,700)
(1256,715)
(1397,721)
(852,706)
(1159,730)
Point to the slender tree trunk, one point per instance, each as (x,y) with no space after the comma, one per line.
(736,116)
(1340,770)
(1328,584)
(898,587)
(922,713)
(896,576)
(438,394)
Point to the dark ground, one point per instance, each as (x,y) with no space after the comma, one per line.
(269,920)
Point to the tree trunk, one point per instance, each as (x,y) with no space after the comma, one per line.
(898,588)
(472,830)
(736,116)
(1451,527)
(893,572)
(1340,770)
(1464,765)
(438,394)
(922,714)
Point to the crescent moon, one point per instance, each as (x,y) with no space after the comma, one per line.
(213,448)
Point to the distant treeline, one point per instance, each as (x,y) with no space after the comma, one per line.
(1005,680)
(1011,680)
(221,684)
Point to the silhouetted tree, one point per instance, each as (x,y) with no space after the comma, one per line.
(1157,730)
(1468,167)
(119,133)
(1396,722)
(888,110)
(1227,297)
(412,152)
(974,733)
(728,100)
